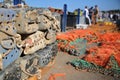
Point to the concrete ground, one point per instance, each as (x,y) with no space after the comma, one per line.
(70,72)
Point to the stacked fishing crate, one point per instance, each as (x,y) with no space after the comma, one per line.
(9,49)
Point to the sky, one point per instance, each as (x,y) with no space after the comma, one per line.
(75,4)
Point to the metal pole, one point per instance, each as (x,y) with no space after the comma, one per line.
(64,18)
(78,16)
(17,2)
(20,1)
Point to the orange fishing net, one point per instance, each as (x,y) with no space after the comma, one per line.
(98,55)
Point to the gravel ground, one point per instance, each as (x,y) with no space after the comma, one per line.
(70,72)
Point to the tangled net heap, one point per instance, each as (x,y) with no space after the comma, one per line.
(101,55)
(110,45)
